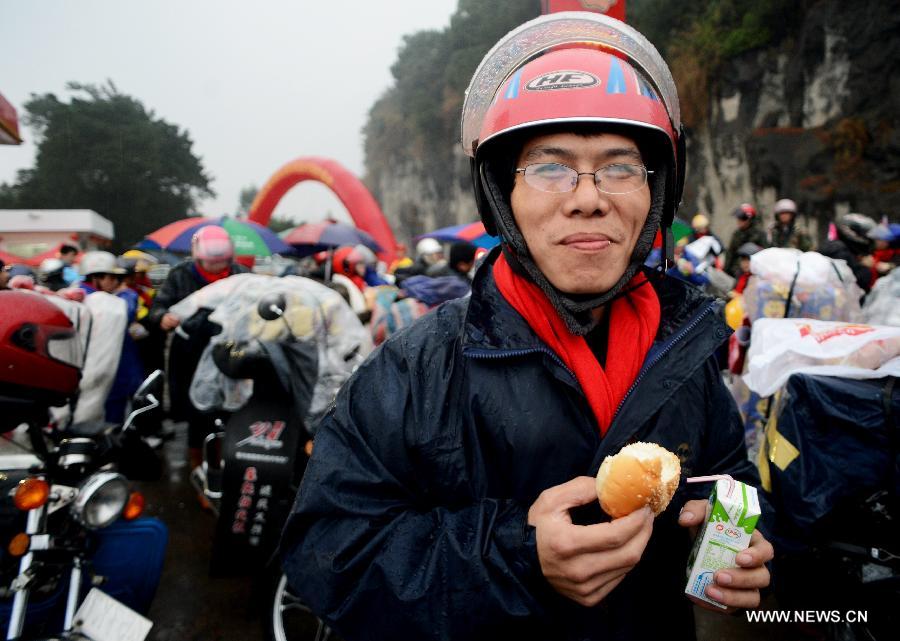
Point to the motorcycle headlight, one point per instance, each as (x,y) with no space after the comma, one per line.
(100,500)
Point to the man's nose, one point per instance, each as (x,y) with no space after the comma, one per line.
(586,199)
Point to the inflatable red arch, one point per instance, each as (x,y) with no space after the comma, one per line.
(348,188)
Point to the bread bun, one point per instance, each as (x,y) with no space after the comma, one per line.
(640,474)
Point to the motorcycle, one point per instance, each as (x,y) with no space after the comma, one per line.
(253,463)
(82,531)
(831,466)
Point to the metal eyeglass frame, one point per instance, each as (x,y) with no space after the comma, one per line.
(578,175)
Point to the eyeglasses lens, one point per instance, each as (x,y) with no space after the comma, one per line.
(612,179)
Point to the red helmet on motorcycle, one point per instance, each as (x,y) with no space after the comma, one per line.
(40,352)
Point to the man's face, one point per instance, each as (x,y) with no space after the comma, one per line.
(745,264)
(743,223)
(785,217)
(67,257)
(4,276)
(581,240)
(215,266)
(107,283)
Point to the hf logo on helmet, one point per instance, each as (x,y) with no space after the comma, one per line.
(562,80)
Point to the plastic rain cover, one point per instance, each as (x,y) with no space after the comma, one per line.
(313,313)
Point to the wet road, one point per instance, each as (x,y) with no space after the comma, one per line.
(189,605)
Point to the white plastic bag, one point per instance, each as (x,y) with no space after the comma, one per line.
(883,302)
(819,287)
(781,347)
(313,312)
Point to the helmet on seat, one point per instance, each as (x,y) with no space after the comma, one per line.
(854,230)
(39,348)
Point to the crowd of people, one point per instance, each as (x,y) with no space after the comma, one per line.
(451,490)
(156,338)
(871,249)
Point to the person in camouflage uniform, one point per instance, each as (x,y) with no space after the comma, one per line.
(747,232)
(784,231)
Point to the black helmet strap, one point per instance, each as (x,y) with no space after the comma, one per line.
(574,309)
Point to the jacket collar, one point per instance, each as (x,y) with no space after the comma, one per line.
(691,328)
(492,324)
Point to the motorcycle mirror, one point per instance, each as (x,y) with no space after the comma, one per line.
(151,385)
(152,404)
(271,306)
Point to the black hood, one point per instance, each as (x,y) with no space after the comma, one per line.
(574,309)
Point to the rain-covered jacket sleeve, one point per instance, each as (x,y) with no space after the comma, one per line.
(173,289)
(377,552)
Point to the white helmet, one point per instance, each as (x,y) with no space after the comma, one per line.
(50,266)
(785,205)
(428,246)
(98,262)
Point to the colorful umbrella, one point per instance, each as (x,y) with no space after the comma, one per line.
(471,232)
(680,228)
(325,234)
(249,238)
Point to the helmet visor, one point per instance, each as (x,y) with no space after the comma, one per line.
(546,32)
(65,346)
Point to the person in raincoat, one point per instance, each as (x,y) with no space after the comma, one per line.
(101,273)
(212,254)
(450,493)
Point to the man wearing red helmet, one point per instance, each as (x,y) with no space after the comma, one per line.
(748,231)
(450,494)
(212,254)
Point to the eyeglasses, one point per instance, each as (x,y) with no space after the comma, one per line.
(614,179)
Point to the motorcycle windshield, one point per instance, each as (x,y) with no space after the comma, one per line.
(67,348)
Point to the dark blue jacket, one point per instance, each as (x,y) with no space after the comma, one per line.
(411,519)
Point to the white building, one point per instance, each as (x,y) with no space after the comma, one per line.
(29,232)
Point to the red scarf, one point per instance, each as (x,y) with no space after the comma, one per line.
(211,277)
(632,328)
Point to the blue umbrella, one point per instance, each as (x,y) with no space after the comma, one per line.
(474,233)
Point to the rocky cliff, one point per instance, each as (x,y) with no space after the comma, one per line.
(814,116)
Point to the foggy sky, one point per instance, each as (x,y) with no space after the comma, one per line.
(256,84)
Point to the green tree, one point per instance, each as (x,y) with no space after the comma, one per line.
(245,200)
(103,150)
(281,223)
(417,120)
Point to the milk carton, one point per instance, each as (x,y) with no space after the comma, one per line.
(732,516)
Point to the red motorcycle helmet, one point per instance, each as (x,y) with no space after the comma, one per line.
(578,68)
(40,351)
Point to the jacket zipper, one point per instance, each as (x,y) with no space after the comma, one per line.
(489,354)
(666,349)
